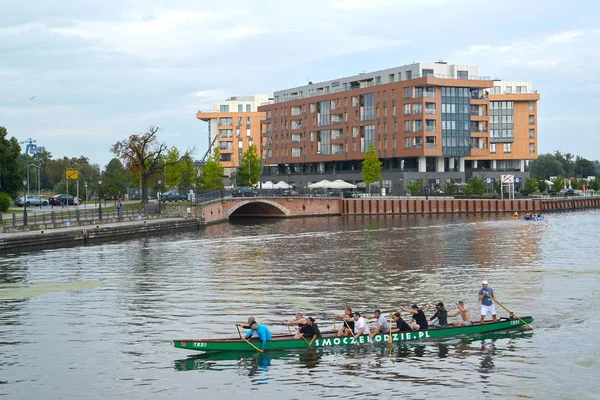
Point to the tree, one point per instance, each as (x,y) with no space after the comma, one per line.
(450,186)
(566,161)
(559,184)
(114,178)
(187,174)
(584,168)
(143,154)
(414,187)
(248,173)
(498,186)
(475,186)
(594,184)
(545,166)
(11,175)
(212,172)
(371,167)
(531,185)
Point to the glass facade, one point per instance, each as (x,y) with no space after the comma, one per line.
(368,107)
(368,137)
(325,142)
(324,118)
(501,121)
(456,119)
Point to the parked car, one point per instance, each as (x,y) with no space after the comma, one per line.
(244,191)
(61,200)
(173,195)
(31,200)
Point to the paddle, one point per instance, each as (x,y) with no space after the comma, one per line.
(334,327)
(256,348)
(288,325)
(390,334)
(511,313)
(352,333)
(239,333)
(303,338)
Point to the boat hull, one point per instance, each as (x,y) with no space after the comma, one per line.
(287,342)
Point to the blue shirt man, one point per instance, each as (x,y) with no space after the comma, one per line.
(486,295)
(262,332)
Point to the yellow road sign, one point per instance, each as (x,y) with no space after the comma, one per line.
(72,174)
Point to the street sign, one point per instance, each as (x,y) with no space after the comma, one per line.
(72,174)
(508,178)
(517,180)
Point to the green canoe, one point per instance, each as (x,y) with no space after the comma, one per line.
(330,339)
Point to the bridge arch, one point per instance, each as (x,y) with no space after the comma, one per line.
(258,208)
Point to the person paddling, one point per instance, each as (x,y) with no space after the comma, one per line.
(348,320)
(486,294)
(464,313)
(262,332)
(419,320)
(401,325)
(310,330)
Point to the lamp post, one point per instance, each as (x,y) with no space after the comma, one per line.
(85,184)
(25,182)
(100,198)
(158,195)
(38,179)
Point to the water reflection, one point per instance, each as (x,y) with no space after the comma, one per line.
(349,360)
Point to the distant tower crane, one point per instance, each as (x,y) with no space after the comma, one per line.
(31,147)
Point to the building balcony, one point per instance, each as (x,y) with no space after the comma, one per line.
(479,113)
(430,112)
(417,112)
(430,145)
(430,128)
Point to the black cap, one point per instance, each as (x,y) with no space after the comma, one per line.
(397,314)
(253,322)
(440,304)
(414,306)
(311,319)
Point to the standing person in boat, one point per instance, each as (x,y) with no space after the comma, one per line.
(261,331)
(310,330)
(348,322)
(383,325)
(361,327)
(441,315)
(419,320)
(241,325)
(464,313)
(300,320)
(486,295)
(401,325)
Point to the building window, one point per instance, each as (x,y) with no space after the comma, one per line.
(531,120)
(368,107)
(418,92)
(247,122)
(407,109)
(427,72)
(407,92)
(313,136)
(269,114)
(225,121)
(407,143)
(531,147)
(462,74)
(492,147)
(312,108)
(408,75)
(532,134)
(508,89)
(296,152)
(224,108)
(507,147)
(225,133)
(368,137)
(406,126)
(325,142)
(248,107)
(531,105)
(417,108)
(521,89)
(418,142)
(418,125)
(355,131)
(324,118)
(240,107)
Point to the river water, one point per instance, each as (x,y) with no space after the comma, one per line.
(96,322)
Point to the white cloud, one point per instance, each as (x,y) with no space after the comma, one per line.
(564,37)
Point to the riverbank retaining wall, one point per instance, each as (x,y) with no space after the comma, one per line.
(35,240)
(463,206)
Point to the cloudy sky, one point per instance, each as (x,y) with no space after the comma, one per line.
(101,70)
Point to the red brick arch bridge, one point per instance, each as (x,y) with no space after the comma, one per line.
(284,207)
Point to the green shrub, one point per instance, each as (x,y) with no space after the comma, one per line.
(5,201)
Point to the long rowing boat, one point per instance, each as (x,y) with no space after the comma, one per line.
(330,339)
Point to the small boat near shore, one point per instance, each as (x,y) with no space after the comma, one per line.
(282,342)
